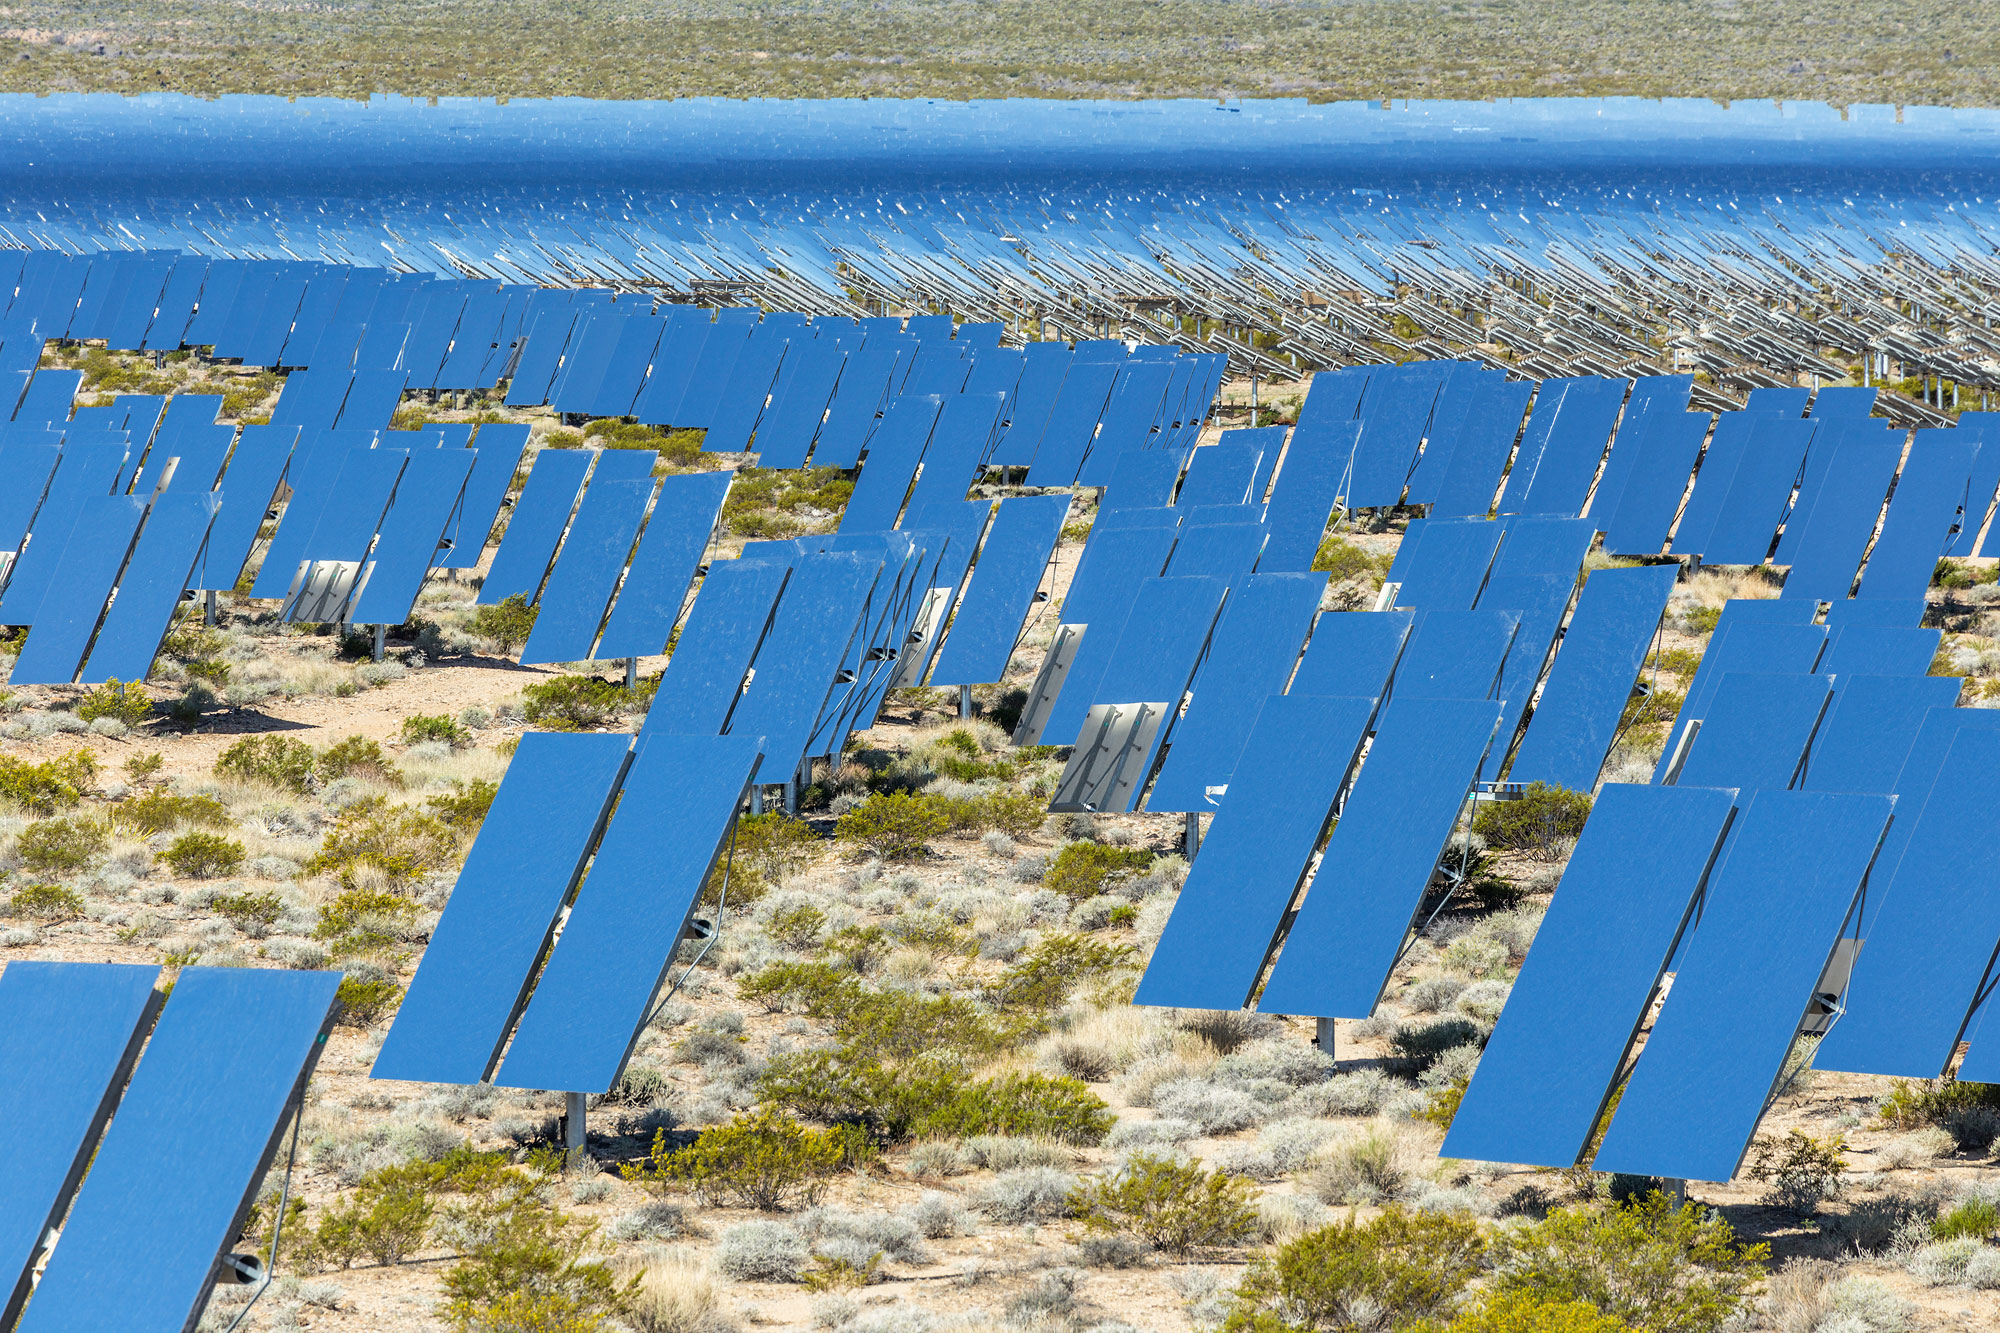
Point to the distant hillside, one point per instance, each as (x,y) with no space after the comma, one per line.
(1913,51)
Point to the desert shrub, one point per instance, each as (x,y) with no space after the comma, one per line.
(776,846)
(572,703)
(363,1002)
(61,846)
(763,1161)
(52,785)
(356,757)
(1522,1312)
(781,502)
(1421,1045)
(1913,1104)
(360,920)
(762,1252)
(116,699)
(142,767)
(404,844)
(796,926)
(387,1222)
(1366,1169)
(248,909)
(1026,1194)
(423,727)
(1540,819)
(159,811)
(1656,1267)
(1407,1267)
(1082,869)
(1016,814)
(507,623)
(1042,982)
(1803,1171)
(1343,560)
(1036,1105)
(1173,1206)
(46,902)
(1209,1107)
(931,1099)
(937,1216)
(524,1270)
(203,855)
(464,807)
(275,761)
(897,826)
(1976,1217)
(676,1293)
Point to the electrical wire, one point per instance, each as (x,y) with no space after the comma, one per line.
(715,932)
(278,1225)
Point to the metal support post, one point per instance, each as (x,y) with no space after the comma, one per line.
(965,701)
(757,799)
(792,795)
(381,637)
(1323,1038)
(574,1130)
(631,672)
(208,607)
(1191,835)
(1676,1190)
(1253,397)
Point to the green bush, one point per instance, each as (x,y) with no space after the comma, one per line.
(159,811)
(782,502)
(1042,982)
(930,1098)
(1653,1266)
(681,448)
(357,757)
(508,622)
(404,844)
(1975,1218)
(1343,560)
(1703,619)
(1537,821)
(896,827)
(1172,1206)
(775,846)
(1804,1171)
(128,703)
(204,855)
(1913,1105)
(388,1225)
(797,926)
(1519,1312)
(1023,1105)
(362,1003)
(141,767)
(465,807)
(424,727)
(1083,869)
(524,1269)
(46,902)
(61,846)
(763,1161)
(1955,575)
(275,761)
(572,703)
(52,785)
(360,920)
(247,909)
(1413,1267)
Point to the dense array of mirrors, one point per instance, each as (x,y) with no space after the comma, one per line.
(1509,343)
